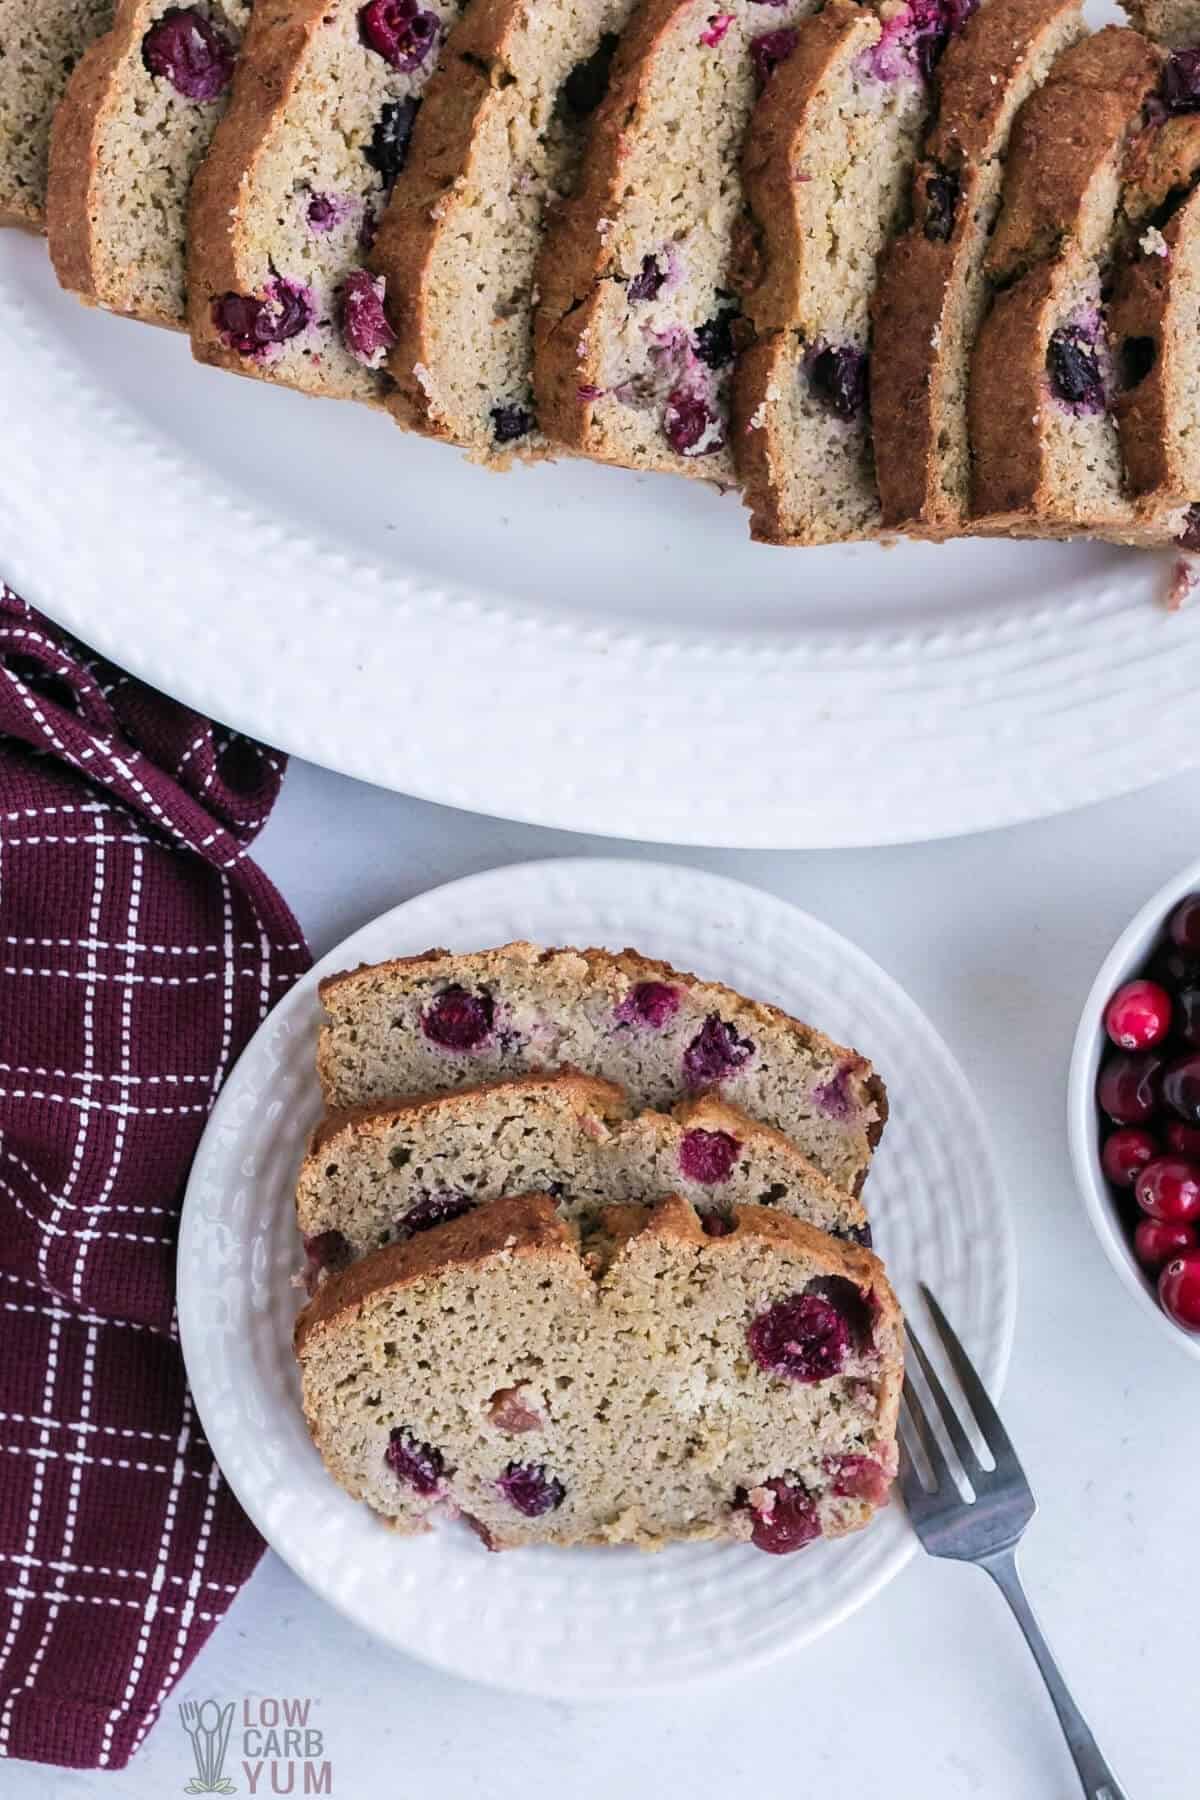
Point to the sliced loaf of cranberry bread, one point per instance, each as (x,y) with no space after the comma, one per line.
(1046,455)
(932,290)
(636,325)
(286,205)
(425,1024)
(669,1384)
(40,44)
(375,1174)
(1153,312)
(827,169)
(136,119)
(499,138)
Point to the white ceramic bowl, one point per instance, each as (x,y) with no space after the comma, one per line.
(1125,960)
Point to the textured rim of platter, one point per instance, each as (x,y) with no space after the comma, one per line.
(607,1623)
(616,720)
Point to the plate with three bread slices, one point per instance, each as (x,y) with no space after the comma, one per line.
(692,420)
(523,1285)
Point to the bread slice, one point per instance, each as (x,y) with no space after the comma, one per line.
(40,43)
(285,207)
(499,138)
(1044,441)
(1172,22)
(425,1024)
(827,169)
(375,1174)
(1152,316)
(136,118)
(668,1385)
(634,333)
(932,289)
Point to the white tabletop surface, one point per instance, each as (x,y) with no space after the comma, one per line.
(928,1694)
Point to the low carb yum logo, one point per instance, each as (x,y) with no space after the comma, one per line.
(282,1753)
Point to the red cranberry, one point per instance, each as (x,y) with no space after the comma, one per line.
(1179,1289)
(650,1003)
(858,1478)
(1181,1088)
(1183,1139)
(1171,967)
(365,325)
(510,1411)
(708,1156)
(833,1096)
(1126,1153)
(718,25)
(717,1225)
(187,49)
(804,1338)
(252,325)
(457,1020)
(420,1465)
(785,1517)
(769,50)
(1130,1088)
(1156,1242)
(858,1306)
(528,1487)
(646,283)
(690,425)
(1187,1016)
(1138,1015)
(715,1052)
(324,1250)
(434,1209)
(1169,1189)
(399,31)
(1183,926)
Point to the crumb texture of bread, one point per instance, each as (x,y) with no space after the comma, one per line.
(1046,452)
(440,1021)
(125,144)
(1153,312)
(498,141)
(827,168)
(637,322)
(932,290)
(1172,22)
(39,46)
(375,1175)
(289,199)
(639,1393)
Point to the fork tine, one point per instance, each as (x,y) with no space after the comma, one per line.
(933,1450)
(950,1419)
(994,1434)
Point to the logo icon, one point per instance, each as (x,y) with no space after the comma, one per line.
(208,1726)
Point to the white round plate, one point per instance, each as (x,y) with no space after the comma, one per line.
(578,1623)
(568,645)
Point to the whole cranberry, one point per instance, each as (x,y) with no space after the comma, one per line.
(456,1020)
(1183,926)
(803,1338)
(422,1466)
(1130,1088)
(785,1517)
(187,50)
(1173,968)
(1126,1153)
(1169,1189)
(530,1489)
(1138,1015)
(399,31)
(1187,1015)
(1156,1241)
(1181,1088)
(708,1156)
(1183,1139)
(1179,1290)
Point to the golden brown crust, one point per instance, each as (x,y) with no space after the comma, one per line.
(270,62)
(80,120)
(587,1094)
(922,277)
(1063,136)
(519,1225)
(445,142)
(575,257)
(1160,163)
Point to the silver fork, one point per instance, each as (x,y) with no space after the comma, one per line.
(987,1530)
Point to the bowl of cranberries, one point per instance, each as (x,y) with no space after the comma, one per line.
(1135,1107)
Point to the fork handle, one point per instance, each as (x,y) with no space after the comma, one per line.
(1099,1782)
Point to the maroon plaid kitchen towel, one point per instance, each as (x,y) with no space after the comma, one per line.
(139,948)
